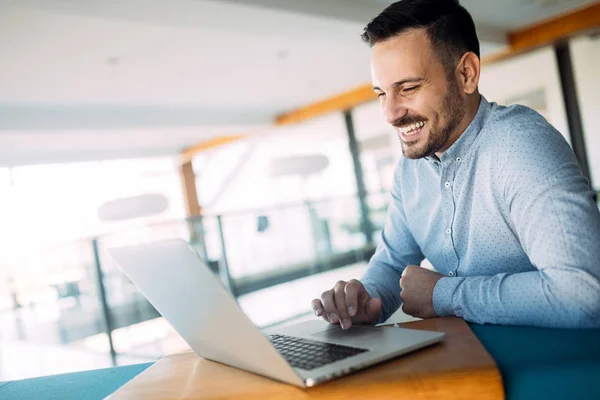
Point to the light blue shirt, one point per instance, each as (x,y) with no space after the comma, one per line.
(506,216)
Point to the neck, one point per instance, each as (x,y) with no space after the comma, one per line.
(471,105)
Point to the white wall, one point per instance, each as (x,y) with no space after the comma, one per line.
(514,79)
(585,53)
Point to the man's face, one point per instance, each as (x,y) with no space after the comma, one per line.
(417,97)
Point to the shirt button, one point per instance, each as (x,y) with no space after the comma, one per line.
(451,273)
(458,159)
(447,184)
(448,230)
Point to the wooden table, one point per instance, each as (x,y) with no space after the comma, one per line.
(457,368)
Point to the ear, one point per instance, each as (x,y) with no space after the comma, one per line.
(469,68)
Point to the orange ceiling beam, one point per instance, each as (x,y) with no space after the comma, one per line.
(556,29)
(343,101)
(190,152)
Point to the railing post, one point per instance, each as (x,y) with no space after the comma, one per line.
(103,303)
(223,262)
(571,101)
(365,223)
(196,225)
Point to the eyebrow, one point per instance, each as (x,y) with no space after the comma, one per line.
(400,83)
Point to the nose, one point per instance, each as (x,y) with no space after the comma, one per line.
(393,109)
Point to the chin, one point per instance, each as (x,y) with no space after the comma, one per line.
(412,156)
(413,152)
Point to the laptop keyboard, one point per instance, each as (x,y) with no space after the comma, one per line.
(309,354)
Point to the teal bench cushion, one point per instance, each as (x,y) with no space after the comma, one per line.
(87,385)
(538,363)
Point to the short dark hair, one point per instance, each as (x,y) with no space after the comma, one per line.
(449,27)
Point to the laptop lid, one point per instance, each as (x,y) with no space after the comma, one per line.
(187,294)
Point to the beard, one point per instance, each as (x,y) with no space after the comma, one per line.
(452,112)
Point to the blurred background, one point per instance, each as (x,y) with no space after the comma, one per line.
(247,128)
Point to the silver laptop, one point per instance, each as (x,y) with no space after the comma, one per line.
(193,300)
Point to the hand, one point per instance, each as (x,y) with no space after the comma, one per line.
(347,303)
(417,286)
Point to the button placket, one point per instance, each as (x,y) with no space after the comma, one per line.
(447,212)
(448,177)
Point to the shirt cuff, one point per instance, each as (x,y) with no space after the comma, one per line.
(370,288)
(443,293)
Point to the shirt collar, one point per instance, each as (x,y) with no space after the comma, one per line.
(463,144)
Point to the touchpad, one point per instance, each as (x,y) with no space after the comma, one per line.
(335,332)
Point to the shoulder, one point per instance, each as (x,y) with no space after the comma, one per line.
(521,137)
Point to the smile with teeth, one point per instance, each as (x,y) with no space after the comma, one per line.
(412,129)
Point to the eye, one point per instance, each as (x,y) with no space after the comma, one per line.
(410,89)
(380,94)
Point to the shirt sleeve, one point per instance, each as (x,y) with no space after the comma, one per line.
(396,250)
(552,212)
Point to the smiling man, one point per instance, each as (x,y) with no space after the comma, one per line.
(492,196)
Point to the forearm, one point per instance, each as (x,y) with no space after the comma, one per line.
(553,297)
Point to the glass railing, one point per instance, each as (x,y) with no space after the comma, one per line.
(75,296)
